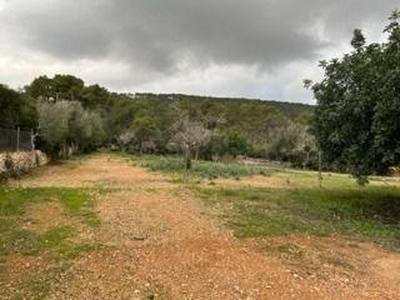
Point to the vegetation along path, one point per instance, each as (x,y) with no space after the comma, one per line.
(101,228)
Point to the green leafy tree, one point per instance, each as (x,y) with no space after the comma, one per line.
(145,130)
(54,126)
(17,108)
(94,97)
(40,88)
(60,87)
(357,124)
(66,126)
(67,87)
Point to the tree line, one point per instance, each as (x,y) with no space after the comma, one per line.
(69,115)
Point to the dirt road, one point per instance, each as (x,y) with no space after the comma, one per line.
(159,242)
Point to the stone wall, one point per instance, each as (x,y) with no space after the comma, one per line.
(16,163)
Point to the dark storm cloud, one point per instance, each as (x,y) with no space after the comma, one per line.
(158,34)
(258,48)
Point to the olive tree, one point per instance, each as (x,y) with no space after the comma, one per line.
(65,126)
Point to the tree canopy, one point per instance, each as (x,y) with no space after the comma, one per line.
(356,123)
(66,113)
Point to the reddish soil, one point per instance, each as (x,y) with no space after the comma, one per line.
(159,242)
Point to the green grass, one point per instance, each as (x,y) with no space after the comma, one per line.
(78,202)
(341,207)
(14,203)
(27,242)
(202,169)
(371,212)
(55,246)
(72,251)
(54,237)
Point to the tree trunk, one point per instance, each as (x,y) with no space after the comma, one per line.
(320,168)
(64,151)
(18,136)
(307,160)
(33,136)
(196,158)
(186,162)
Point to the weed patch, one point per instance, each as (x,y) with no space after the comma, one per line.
(14,202)
(79,203)
(53,245)
(202,169)
(27,242)
(370,212)
(72,251)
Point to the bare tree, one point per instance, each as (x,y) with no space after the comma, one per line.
(126,139)
(33,137)
(188,136)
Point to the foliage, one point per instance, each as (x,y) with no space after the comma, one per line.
(67,124)
(75,117)
(17,108)
(294,144)
(230,142)
(356,120)
(60,87)
(54,123)
(145,130)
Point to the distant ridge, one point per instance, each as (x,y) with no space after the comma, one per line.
(290,109)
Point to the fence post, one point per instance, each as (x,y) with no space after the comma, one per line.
(319,168)
(18,134)
(32,140)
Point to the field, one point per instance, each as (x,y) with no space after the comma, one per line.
(110,226)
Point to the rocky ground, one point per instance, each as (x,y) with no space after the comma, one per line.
(158,241)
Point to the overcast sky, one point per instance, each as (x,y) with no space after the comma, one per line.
(252,48)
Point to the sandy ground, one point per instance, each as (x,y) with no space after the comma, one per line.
(159,242)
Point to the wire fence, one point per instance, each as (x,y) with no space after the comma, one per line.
(15,139)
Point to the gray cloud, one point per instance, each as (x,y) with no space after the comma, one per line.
(163,38)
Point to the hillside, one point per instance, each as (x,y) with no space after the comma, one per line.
(290,109)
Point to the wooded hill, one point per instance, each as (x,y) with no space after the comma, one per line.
(290,109)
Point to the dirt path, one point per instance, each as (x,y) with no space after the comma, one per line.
(159,242)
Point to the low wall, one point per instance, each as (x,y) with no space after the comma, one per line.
(16,163)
